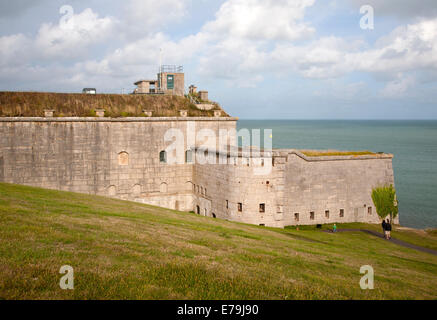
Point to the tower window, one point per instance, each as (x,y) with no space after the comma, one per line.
(369,210)
(296,216)
(327,214)
(341,213)
(312,215)
(240,207)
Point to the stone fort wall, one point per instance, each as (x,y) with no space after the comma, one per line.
(120,158)
(110,157)
(299,190)
(333,189)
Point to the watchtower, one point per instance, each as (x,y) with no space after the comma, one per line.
(171,80)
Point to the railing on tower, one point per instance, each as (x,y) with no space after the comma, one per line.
(171,69)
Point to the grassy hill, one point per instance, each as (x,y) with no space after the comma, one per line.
(124,250)
(33,104)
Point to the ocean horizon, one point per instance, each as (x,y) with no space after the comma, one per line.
(412,142)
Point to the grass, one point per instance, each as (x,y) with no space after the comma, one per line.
(33,104)
(309,153)
(125,250)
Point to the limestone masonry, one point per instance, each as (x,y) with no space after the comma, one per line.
(126,158)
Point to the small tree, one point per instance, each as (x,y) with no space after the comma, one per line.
(385,202)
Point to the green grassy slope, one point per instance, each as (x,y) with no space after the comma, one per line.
(123,250)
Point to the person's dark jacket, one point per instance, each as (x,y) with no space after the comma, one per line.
(388,226)
(384,226)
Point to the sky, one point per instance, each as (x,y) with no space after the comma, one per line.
(260,59)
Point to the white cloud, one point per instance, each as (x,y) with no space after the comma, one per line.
(245,42)
(398,87)
(280,20)
(146,16)
(72,38)
(13,50)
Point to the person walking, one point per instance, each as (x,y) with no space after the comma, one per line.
(388,228)
(335,228)
(384,229)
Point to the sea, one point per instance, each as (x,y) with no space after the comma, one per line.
(413,144)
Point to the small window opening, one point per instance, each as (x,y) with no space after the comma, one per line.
(262,208)
(163,157)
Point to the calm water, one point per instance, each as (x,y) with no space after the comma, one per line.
(413,143)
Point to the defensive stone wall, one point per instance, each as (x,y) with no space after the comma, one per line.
(236,192)
(299,190)
(121,158)
(103,156)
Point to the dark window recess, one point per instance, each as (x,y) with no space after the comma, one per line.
(341,213)
(296,216)
(369,210)
(312,215)
(327,214)
(227,204)
(240,207)
(262,207)
(163,157)
(198,210)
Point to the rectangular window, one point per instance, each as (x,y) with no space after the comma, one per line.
(327,214)
(312,215)
(170,82)
(296,216)
(341,213)
(163,157)
(227,204)
(369,210)
(262,208)
(240,207)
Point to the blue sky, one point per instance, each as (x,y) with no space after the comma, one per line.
(271,59)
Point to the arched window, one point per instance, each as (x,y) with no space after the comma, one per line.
(189,156)
(163,157)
